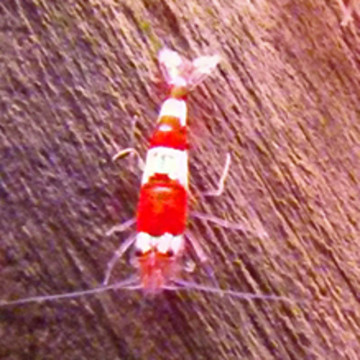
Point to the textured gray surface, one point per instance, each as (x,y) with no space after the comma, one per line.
(285,102)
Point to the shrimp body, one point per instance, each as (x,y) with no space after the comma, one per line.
(162,208)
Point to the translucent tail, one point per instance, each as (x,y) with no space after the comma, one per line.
(181,72)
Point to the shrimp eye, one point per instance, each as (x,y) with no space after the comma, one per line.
(170,253)
(138,252)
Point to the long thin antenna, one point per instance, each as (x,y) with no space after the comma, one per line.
(187,285)
(128,284)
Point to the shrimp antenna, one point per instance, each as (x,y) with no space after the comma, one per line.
(188,285)
(128,284)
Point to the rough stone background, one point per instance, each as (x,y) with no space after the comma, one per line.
(79,80)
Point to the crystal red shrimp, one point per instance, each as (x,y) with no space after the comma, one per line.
(162,209)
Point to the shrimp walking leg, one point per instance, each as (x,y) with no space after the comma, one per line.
(229,225)
(117,255)
(221,182)
(200,253)
(130,151)
(121,227)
